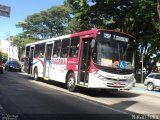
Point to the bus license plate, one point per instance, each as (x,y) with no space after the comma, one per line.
(116,84)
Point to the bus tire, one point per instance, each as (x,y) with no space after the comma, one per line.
(71,82)
(35,75)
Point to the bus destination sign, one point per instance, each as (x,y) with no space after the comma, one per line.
(116,37)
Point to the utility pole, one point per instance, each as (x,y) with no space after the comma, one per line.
(142,69)
(158,8)
(11,47)
(8,37)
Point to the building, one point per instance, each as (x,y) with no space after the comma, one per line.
(6,47)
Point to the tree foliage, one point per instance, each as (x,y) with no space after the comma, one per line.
(20,41)
(47,23)
(136,17)
(3,56)
(42,25)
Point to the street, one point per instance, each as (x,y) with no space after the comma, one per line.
(88,53)
(23,98)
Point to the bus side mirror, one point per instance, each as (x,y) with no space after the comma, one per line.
(93,43)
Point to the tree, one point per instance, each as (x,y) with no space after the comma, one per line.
(146,32)
(20,41)
(3,56)
(136,17)
(101,13)
(80,20)
(47,23)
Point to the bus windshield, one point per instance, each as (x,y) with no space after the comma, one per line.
(114,50)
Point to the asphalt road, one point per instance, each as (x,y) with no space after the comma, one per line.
(26,99)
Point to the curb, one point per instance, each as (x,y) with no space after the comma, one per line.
(140,85)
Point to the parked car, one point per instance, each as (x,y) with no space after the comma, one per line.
(152,81)
(12,65)
(1,66)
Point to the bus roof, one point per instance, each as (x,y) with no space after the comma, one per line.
(92,31)
(49,40)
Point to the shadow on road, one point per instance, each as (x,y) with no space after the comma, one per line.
(89,92)
(124,104)
(95,92)
(107,93)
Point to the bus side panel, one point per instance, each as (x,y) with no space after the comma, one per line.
(39,63)
(58,69)
(58,75)
(72,65)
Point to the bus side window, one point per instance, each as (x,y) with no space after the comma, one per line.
(36,52)
(74,47)
(27,51)
(65,48)
(49,51)
(56,49)
(41,50)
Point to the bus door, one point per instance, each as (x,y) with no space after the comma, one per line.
(47,61)
(84,64)
(30,61)
(26,59)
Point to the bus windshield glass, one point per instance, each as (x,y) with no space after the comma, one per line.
(114,50)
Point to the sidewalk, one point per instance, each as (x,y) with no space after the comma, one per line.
(140,85)
(140,88)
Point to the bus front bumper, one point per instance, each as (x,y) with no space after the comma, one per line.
(95,82)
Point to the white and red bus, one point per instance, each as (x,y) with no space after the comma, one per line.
(96,58)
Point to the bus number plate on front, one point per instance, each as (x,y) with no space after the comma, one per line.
(116,84)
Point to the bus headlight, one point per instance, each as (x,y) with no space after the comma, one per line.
(132,79)
(99,76)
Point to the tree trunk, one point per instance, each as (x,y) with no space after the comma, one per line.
(158,8)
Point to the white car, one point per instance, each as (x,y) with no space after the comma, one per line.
(152,81)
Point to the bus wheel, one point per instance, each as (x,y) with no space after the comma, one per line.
(71,83)
(36,74)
